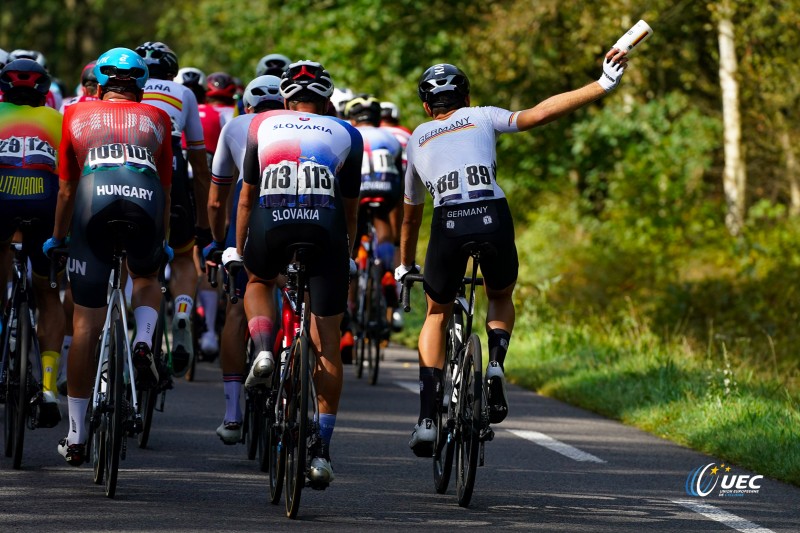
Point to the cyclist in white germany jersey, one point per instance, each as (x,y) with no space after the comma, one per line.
(453,158)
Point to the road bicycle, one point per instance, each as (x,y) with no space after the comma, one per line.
(21,370)
(372,326)
(292,410)
(463,415)
(114,407)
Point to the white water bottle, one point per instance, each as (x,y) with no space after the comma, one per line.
(639,33)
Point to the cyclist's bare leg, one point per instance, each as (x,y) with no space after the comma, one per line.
(432,334)
(500,313)
(259,300)
(183,278)
(146,291)
(232,353)
(50,327)
(86,327)
(325,336)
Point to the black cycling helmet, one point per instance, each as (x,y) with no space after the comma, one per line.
(87,75)
(306,81)
(24,74)
(444,83)
(363,108)
(162,63)
(272,65)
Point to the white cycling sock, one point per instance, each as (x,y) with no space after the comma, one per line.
(183,304)
(77,420)
(209,300)
(146,319)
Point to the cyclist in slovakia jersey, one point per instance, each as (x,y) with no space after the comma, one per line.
(29,136)
(88,88)
(190,220)
(453,159)
(381,188)
(262,94)
(302,174)
(115,162)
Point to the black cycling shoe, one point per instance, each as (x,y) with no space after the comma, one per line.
(145,365)
(48,415)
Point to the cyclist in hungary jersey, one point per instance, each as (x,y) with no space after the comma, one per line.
(262,94)
(300,144)
(452,158)
(29,137)
(119,167)
(190,225)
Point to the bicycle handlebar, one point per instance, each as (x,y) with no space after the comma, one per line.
(233,268)
(212,267)
(410,279)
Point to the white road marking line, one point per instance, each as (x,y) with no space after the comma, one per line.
(556,445)
(413,386)
(723,517)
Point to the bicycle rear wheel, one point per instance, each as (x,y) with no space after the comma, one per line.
(98,425)
(275,461)
(296,434)
(469,420)
(444,447)
(20,402)
(147,399)
(116,386)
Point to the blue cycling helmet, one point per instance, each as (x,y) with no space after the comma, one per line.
(121,64)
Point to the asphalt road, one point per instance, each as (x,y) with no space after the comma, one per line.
(551,467)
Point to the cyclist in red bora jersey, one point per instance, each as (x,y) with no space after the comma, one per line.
(115,162)
(190,223)
(292,143)
(29,136)
(212,121)
(88,88)
(453,157)
(262,94)
(381,183)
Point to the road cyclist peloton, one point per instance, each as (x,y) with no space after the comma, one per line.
(112,168)
(453,158)
(30,134)
(381,187)
(302,174)
(261,94)
(212,122)
(189,225)
(87,91)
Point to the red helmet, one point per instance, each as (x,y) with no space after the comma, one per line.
(220,85)
(88,76)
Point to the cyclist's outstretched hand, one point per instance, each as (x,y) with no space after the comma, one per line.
(51,243)
(401,271)
(614,65)
(230,255)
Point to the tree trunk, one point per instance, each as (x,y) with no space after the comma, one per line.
(734,177)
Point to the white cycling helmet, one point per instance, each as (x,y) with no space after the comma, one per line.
(3,58)
(340,97)
(27,54)
(191,76)
(272,64)
(263,89)
(390,110)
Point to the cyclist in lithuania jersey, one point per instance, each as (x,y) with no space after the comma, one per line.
(115,162)
(453,158)
(180,103)
(262,94)
(302,174)
(29,136)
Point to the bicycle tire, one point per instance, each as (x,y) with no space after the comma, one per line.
(97,426)
(275,463)
(251,429)
(9,412)
(22,411)
(377,316)
(297,425)
(147,399)
(115,388)
(444,447)
(469,420)
(362,321)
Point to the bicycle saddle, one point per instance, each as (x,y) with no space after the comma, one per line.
(485,249)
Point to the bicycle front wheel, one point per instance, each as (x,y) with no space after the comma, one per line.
(116,386)
(20,382)
(469,420)
(296,434)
